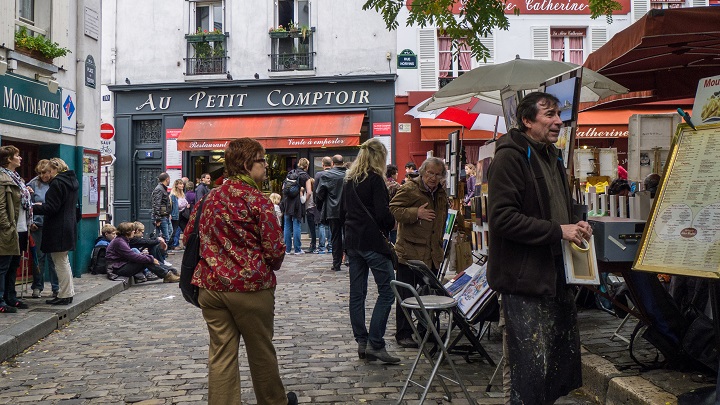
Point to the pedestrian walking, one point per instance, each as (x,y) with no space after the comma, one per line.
(327,200)
(241,250)
(178,203)
(367,221)
(161,208)
(530,207)
(292,207)
(60,225)
(323,229)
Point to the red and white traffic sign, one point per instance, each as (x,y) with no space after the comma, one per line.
(107,131)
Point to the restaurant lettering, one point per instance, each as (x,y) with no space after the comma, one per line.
(711,82)
(209,145)
(593,132)
(543,7)
(275,98)
(27,104)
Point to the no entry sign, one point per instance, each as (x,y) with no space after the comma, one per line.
(107,131)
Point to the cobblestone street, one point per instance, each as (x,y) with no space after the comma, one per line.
(147,345)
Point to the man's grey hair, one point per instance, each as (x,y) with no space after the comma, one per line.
(433,161)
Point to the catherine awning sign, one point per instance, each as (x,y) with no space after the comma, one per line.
(29,103)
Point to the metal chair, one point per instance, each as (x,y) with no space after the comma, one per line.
(429,308)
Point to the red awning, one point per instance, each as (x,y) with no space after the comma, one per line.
(438,130)
(290,131)
(611,123)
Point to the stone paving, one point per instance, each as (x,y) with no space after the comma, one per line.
(147,345)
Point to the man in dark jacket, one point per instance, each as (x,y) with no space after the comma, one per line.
(327,200)
(293,208)
(161,206)
(203,186)
(529,213)
(323,229)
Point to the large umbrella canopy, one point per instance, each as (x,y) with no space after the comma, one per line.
(665,53)
(465,115)
(518,74)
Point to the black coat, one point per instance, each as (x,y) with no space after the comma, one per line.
(59,209)
(524,240)
(362,232)
(328,193)
(292,205)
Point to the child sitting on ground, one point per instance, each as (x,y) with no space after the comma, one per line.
(156,247)
(123,262)
(107,234)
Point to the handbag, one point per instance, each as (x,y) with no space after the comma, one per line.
(390,246)
(191,258)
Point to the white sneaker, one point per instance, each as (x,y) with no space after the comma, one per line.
(36,293)
(302,252)
(167,263)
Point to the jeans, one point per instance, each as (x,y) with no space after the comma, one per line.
(175,233)
(44,260)
(337,242)
(311,230)
(8,275)
(322,231)
(165,229)
(292,233)
(361,262)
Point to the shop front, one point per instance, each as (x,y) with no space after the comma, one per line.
(184,128)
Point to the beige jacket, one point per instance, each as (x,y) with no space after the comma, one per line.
(419,240)
(9,212)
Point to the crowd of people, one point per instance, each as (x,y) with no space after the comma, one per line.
(38,218)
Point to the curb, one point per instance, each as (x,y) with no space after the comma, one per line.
(43,321)
(604,383)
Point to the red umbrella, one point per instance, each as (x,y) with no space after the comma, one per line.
(465,115)
(663,55)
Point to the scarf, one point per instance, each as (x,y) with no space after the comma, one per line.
(246,179)
(25,199)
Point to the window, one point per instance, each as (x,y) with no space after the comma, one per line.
(208,17)
(453,63)
(296,12)
(26,10)
(568,45)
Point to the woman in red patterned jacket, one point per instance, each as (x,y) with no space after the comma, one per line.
(241,245)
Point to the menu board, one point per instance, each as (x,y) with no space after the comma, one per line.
(683,232)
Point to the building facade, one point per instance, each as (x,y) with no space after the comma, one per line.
(307,79)
(49,104)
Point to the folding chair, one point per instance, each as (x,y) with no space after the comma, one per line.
(459,319)
(430,307)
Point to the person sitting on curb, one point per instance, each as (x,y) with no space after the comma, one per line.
(123,262)
(107,234)
(155,246)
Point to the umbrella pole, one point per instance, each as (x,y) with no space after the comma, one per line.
(497,122)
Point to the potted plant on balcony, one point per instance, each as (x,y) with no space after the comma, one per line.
(215,36)
(278,32)
(198,36)
(38,47)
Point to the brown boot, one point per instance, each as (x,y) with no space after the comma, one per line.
(171,278)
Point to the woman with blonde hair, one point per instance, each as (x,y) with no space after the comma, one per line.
(179,204)
(367,223)
(60,225)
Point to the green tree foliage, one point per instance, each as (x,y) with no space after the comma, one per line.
(477,18)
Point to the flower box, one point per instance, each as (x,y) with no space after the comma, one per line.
(215,37)
(279,34)
(195,38)
(35,54)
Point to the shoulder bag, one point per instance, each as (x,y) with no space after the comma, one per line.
(390,245)
(190,260)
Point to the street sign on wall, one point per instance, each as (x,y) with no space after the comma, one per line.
(29,103)
(107,141)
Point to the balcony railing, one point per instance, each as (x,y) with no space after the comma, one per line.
(205,66)
(206,54)
(282,62)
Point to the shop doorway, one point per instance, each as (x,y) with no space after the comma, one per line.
(148,163)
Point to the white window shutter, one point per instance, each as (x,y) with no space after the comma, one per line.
(598,38)
(640,8)
(541,43)
(489,43)
(699,3)
(7,23)
(60,23)
(428,59)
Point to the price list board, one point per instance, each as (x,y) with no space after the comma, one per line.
(682,235)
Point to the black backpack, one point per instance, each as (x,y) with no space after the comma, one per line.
(191,258)
(291,185)
(98,264)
